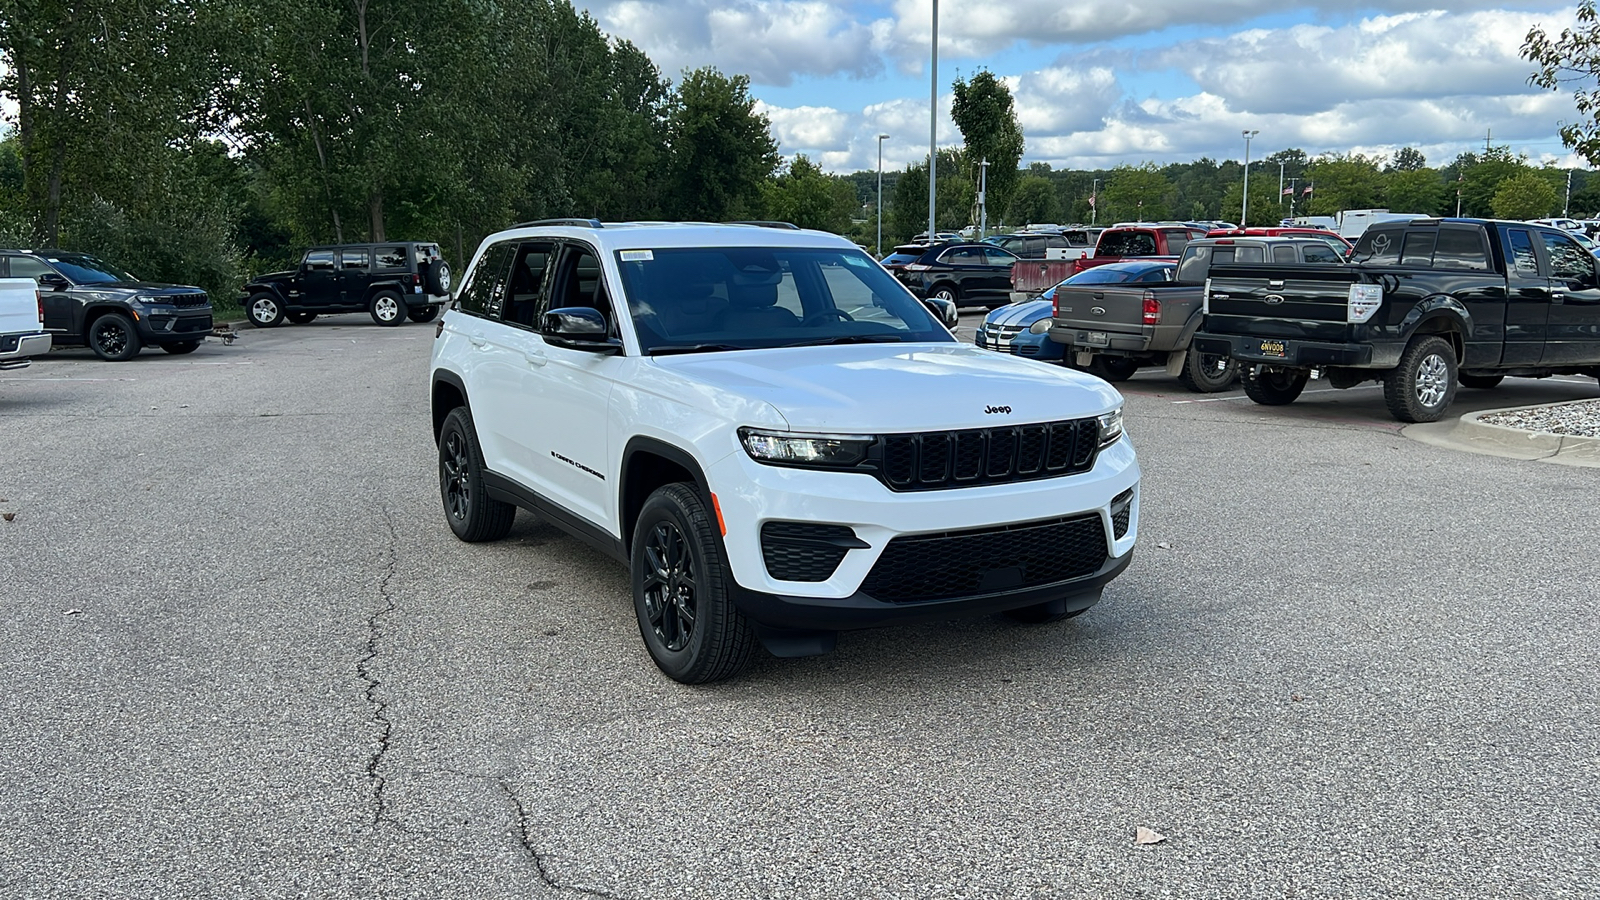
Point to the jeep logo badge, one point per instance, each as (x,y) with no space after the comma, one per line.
(1272,299)
(1098,310)
(991,410)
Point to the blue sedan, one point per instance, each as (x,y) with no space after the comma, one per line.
(1023,329)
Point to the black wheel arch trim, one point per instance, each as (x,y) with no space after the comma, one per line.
(1437,308)
(671,453)
(504,489)
(447,377)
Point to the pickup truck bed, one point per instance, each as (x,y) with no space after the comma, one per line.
(22,334)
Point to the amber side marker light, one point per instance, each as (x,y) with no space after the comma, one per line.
(717,508)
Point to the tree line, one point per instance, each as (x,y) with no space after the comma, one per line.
(203,141)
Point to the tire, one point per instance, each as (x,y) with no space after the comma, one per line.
(424,314)
(1271,386)
(947,292)
(112,338)
(1480,382)
(302,318)
(264,310)
(387,309)
(473,515)
(437,280)
(181,347)
(1422,387)
(688,621)
(1113,368)
(1208,373)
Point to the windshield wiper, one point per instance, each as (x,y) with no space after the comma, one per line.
(852,339)
(694,348)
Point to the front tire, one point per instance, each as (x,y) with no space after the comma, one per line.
(302,318)
(687,619)
(181,348)
(1272,386)
(113,338)
(388,309)
(263,310)
(1421,388)
(474,516)
(1208,373)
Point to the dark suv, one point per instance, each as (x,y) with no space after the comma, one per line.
(963,273)
(392,281)
(89,301)
(1037,244)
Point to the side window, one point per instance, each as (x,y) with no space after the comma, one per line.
(1568,261)
(998,257)
(485,286)
(390,258)
(963,256)
(1195,265)
(320,260)
(579,282)
(525,286)
(1418,248)
(1460,248)
(1379,246)
(1284,253)
(28,267)
(353,259)
(1035,248)
(1250,253)
(1176,241)
(1522,255)
(1321,253)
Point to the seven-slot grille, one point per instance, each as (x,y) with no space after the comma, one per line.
(948,459)
(196,299)
(955,564)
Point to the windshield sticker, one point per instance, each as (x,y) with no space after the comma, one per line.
(858,261)
(637,256)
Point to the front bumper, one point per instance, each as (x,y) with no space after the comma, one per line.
(750,494)
(1020,343)
(17,349)
(1287,352)
(165,324)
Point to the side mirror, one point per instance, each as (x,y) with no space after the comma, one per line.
(579,328)
(54,281)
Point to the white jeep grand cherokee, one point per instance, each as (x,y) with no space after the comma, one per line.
(773,434)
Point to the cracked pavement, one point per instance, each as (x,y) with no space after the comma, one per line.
(242,656)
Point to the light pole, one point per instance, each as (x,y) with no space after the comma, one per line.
(1094,201)
(878,247)
(1244,203)
(933,125)
(983,199)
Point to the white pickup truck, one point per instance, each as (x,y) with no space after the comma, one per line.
(22,334)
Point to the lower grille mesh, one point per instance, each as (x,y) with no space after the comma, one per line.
(987,561)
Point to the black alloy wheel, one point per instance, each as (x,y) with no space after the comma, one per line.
(473,515)
(1274,386)
(1207,373)
(181,347)
(112,338)
(688,621)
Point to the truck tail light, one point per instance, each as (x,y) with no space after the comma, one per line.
(416,278)
(38,297)
(1152,308)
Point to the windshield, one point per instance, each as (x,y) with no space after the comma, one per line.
(1113,274)
(743,298)
(83,269)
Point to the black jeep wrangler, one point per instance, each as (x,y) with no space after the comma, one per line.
(392,281)
(88,301)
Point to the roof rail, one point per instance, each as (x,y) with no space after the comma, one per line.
(763,223)
(576,223)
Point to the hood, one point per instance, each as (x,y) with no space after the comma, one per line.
(1025,313)
(148,288)
(883,388)
(287,275)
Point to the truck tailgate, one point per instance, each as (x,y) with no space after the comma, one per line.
(1103,307)
(1289,301)
(19,306)
(1035,276)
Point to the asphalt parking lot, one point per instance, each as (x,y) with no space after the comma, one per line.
(241,655)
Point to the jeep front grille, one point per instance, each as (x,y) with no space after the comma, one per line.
(973,563)
(949,459)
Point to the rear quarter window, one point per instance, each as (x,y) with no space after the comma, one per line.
(1379,246)
(1461,248)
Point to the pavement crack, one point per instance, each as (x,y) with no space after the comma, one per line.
(364,669)
(539,858)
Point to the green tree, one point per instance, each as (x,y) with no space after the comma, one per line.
(1136,193)
(1408,159)
(1344,181)
(721,149)
(1033,200)
(1413,190)
(1525,196)
(1480,177)
(1265,208)
(984,111)
(907,213)
(1572,59)
(806,196)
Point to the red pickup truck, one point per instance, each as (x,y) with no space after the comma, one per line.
(1032,277)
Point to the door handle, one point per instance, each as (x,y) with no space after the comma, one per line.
(1557,297)
(1099,295)
(535,358)
(477,341)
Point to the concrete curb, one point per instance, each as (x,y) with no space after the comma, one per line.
(1473,435)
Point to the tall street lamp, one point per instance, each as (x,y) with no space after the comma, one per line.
(878,247)
(1244,204)
(983,201)
(1094,201)
(933,126)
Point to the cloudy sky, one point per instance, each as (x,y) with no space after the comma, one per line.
(1099,84)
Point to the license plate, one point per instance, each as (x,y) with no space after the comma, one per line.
(1272,348)
(1097,339)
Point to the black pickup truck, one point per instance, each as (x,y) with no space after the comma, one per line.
(1423,305)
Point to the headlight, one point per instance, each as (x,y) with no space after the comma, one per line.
(779,448)
(1110,427)
(1041,326)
